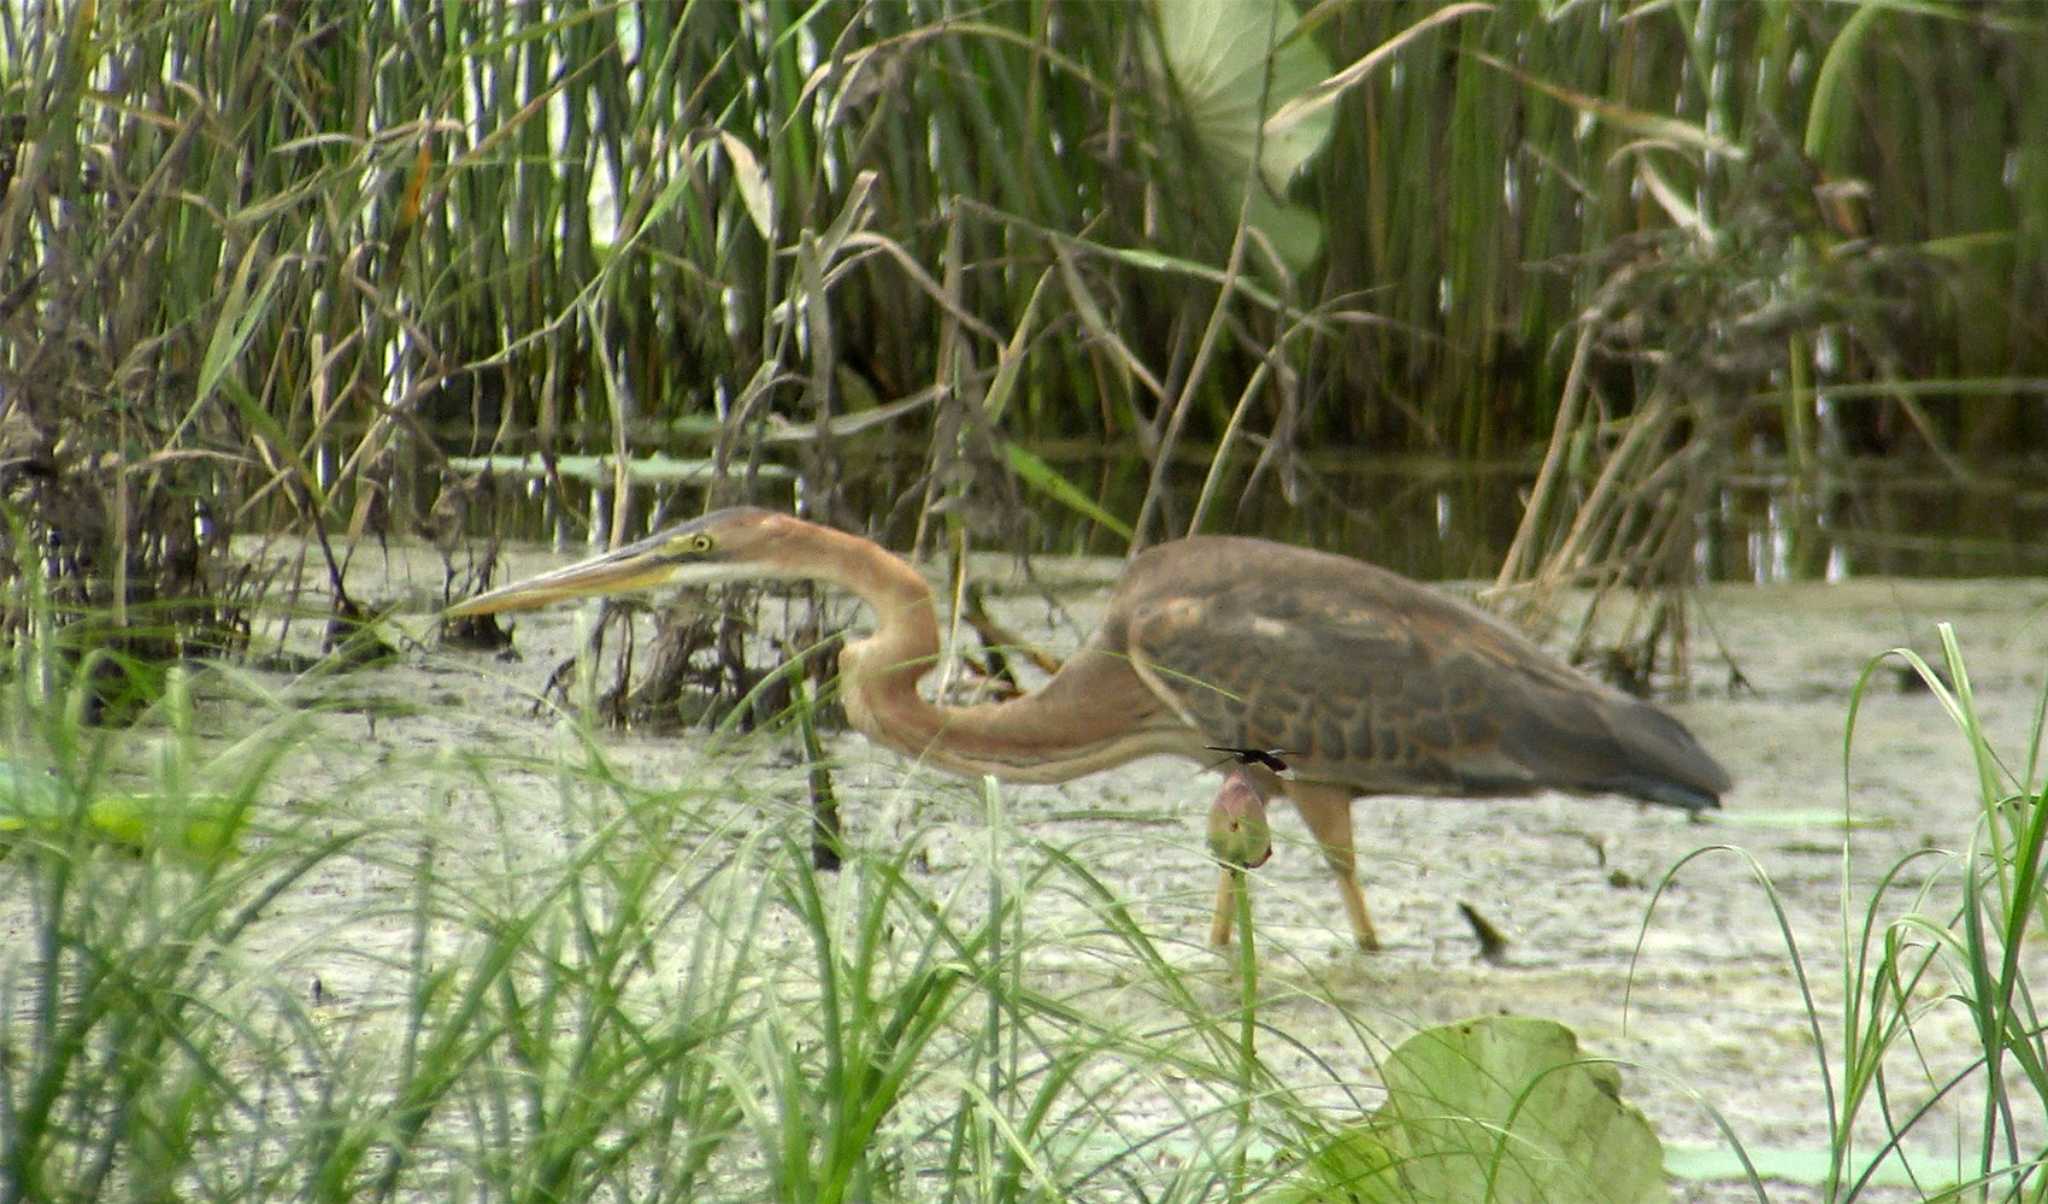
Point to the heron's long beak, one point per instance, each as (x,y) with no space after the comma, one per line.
(636,566)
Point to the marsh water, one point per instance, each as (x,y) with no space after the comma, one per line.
(1768,521)
(1655,936)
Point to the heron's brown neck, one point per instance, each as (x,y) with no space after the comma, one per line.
(906,641)
(1018,740)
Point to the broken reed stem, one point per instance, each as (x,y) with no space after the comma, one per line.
(1516,565)
(1601,510)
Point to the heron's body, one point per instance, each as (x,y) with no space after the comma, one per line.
(1369,682)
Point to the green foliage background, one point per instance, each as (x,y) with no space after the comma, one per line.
(254,231)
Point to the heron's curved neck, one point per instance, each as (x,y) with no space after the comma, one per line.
(1019,740)
(905,644)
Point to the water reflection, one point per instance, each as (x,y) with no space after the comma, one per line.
(1434,519)
(1871,519)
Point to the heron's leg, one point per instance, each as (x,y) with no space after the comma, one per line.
(1327,812)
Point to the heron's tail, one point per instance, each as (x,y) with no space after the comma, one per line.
(1663,762)
(1614,744)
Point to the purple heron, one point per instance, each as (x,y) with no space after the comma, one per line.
(1369,682)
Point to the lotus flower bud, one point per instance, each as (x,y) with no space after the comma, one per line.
(1238,835)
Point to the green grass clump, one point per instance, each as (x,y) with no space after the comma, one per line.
(657,997)
(124,1011)
(1963,948)
(1932,940)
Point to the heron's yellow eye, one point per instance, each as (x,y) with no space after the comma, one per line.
(697,544)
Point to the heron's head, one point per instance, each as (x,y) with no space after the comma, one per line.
(743,543)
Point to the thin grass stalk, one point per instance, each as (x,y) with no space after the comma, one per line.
(993,825)
(621,409)
(1838,1128)
(1248,1069)
(1220,458)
